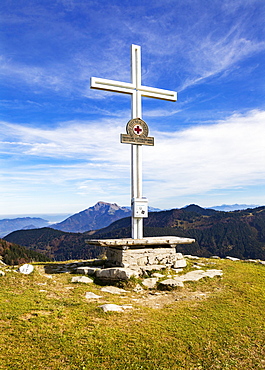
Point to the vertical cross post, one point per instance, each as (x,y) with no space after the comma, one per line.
(136,150)
(136,90)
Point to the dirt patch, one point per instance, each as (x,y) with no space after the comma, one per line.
(160,300)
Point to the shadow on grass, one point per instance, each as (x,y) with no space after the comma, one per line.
(70,267)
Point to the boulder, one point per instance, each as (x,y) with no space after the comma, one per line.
(150,282)
(116,273)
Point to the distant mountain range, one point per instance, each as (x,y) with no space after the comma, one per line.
(96,217)
(233,207)
(238,233)
(20,223)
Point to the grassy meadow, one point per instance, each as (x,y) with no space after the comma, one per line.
(47,323)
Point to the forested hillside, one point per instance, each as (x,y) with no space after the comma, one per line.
(13,254)
(55,244)
(239,234)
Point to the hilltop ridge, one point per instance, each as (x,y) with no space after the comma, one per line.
(239,234)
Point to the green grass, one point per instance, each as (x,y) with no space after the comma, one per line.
(60,329)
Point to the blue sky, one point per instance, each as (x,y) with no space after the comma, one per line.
(60,145)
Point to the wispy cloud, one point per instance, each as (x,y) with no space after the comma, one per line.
(211,57)
(69,139)
(227,154)
(195,47)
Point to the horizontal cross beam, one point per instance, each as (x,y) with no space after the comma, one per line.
(129,88)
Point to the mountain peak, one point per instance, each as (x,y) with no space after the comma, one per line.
(105,205)
(100,215)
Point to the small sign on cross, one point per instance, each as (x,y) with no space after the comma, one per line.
(137,133)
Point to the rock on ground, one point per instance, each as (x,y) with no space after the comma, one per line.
(191,257)
(114,307)
(157,275)
(85,270)
(26,269)
(90,295)
(113,290)
(232,258)
(150,282)
(197,275)
(116,273)
(170,284)
(81,279)
(138,288)
(180,263)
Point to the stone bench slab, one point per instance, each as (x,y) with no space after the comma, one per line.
(154,242)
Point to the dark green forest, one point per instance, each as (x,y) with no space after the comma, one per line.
(239,234)
(13,254)
(56,245)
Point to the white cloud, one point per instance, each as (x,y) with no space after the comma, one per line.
(89,158)
(80,140)
(224,155)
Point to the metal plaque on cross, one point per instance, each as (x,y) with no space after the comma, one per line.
(137,133)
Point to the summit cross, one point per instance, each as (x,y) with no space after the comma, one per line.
(136,90)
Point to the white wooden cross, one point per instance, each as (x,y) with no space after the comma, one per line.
(136,90)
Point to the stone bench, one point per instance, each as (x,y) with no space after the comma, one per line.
(148,251)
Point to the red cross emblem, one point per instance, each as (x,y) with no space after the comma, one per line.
(137,129)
